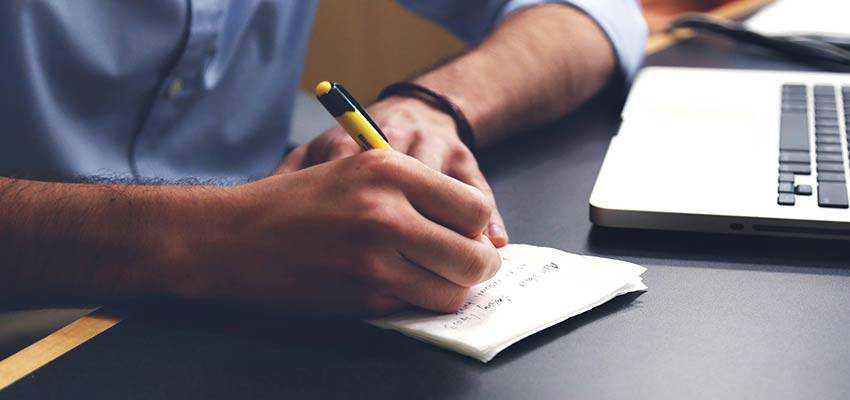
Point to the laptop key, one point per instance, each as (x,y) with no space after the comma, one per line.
(786,177)
(799,169)
(828,139)
(829,157)
(794,157)
(794,132)
(786,187)
(831,177)
(826,125)
(830,167)
(803,190)
(829,148)
(832,194)
(786,199)
(824,88)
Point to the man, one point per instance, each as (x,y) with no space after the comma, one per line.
(200,92)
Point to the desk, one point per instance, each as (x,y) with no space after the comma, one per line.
(725,317)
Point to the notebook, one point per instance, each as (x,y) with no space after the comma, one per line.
(537,287)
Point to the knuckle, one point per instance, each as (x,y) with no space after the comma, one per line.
(475,270)
(418,135)
(494,262)
(340,148)
(485,189)
(338,141)
(375,158)
(381,164)
(480,207)
(454,300)
(369,269)
(380,220)
(393,133)
(461,154)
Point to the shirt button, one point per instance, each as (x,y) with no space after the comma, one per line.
(175,88)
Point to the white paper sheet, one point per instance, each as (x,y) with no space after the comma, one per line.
(822,17)
(536,288)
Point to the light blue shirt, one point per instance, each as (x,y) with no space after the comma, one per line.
(188,88)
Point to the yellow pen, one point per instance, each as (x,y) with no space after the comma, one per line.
(351,116)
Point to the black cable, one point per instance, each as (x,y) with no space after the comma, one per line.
(827,53)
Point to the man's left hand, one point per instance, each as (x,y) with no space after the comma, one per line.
(416,129)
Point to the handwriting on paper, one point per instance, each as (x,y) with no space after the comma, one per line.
(500,290)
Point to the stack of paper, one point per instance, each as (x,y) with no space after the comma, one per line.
(536,288)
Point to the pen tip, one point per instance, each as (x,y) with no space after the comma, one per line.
(323,88)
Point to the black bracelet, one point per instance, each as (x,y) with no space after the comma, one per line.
(438,101)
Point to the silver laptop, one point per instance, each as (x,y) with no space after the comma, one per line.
(733,151)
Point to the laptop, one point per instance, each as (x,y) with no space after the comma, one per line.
(730,151)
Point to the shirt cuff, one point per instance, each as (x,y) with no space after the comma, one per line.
(621,20)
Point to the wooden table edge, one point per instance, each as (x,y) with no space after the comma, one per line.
(42,352)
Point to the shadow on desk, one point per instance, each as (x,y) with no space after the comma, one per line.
(325,357)
(616,305)
(736,251)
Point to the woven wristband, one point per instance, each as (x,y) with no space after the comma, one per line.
(438,101)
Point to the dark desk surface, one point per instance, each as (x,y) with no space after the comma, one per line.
(725,317)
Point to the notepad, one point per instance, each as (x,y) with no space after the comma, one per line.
(537,287)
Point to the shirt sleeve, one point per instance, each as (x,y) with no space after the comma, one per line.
(471,20)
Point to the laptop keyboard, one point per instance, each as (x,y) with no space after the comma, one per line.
(795,148)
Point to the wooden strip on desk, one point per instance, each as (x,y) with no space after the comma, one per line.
(40,353)
(735,9)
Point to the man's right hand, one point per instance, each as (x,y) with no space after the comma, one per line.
(365,234)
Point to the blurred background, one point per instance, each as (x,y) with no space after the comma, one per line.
(391,30)
(400,45)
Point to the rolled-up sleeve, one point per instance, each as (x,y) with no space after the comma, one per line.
(471,20)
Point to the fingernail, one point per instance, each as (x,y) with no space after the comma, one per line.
(498,235)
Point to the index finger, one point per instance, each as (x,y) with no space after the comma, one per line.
(468,172)
(445,200)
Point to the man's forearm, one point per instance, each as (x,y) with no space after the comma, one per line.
(537,66)
(91,240)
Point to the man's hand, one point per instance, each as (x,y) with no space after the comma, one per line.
(369,233)
(416,129)
(538,65)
